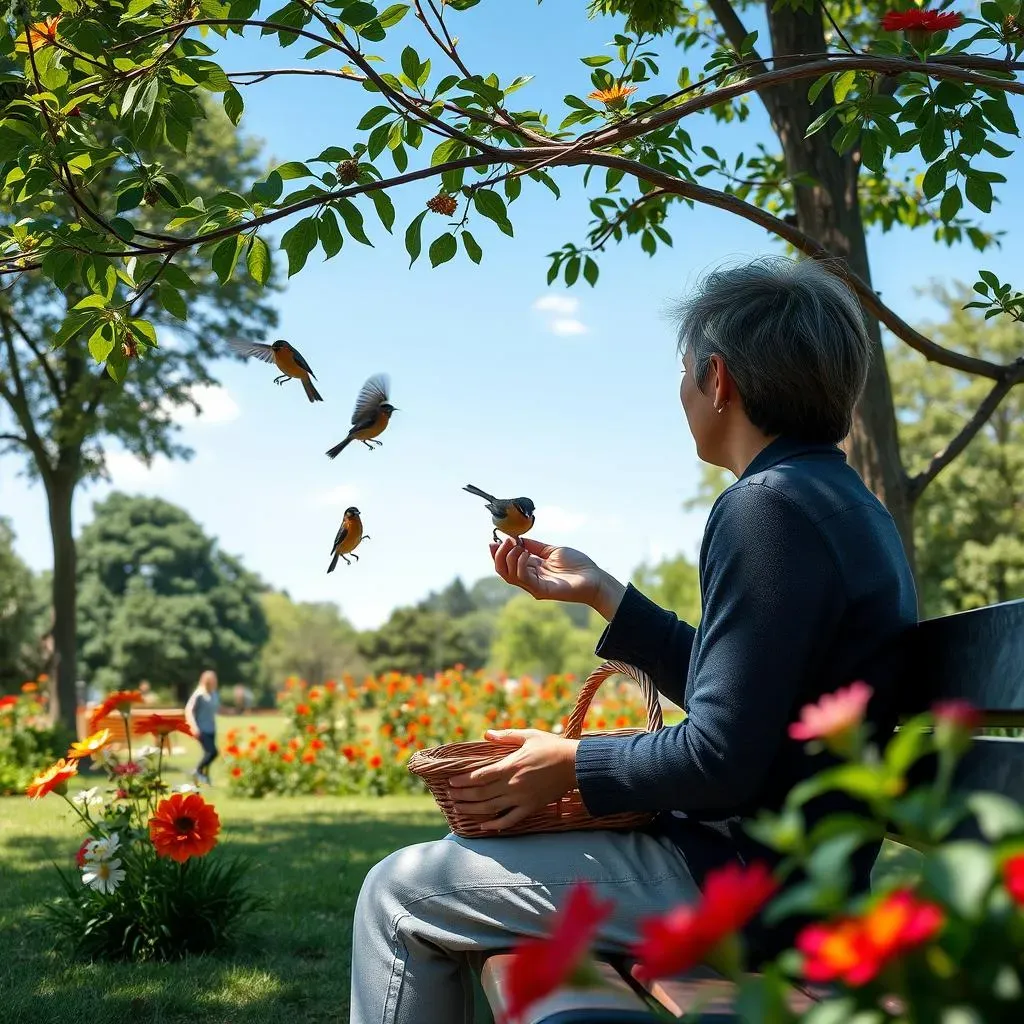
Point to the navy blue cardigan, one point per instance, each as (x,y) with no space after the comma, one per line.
(805,587)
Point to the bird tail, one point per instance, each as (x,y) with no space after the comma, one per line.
(333,453)
(334,562)
(479,493)
(311,392)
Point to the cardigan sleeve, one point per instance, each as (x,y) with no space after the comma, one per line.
(652,640)
(772,598)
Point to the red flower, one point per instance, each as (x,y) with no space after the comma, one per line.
(53,780)
(308,757)
(80,856)
(1013,877)
(288,757)
(160,725)
(960,714)
(834,714)
(539,966)
(9,701)
(273,747)
(856,949)
(921,21)
(302,709)
(375,761)
(684,937)
(236,772)
(184,826)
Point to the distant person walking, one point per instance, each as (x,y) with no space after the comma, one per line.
(201,713)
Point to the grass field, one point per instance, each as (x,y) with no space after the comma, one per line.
(311,855)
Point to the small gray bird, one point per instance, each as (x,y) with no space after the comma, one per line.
(513,516)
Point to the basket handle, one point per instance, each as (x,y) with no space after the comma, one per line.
(574,726)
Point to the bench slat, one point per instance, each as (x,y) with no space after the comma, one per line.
(617,1004)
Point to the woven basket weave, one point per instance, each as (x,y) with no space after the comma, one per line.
(436,765)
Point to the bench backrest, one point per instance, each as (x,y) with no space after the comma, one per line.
(976,656)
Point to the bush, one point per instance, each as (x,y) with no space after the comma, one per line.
(150,885)
(28,742)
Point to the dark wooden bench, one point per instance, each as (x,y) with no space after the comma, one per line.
(976,656)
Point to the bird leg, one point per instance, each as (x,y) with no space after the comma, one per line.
(367,443)
(494,534)
(282,378)
(354,555)
(366,536)
(347,562)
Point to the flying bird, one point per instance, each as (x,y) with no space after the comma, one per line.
(370,417)
(513,516)
(286,358)
(347,539)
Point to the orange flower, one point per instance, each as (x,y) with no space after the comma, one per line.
(375,761)
(29,687)
(42,678)
(308,757)
(317,744)
(184,826)
(90,745)
(856,949)
(161,725)
(53,780)
(288,757)
(119,701)
(301,709)
(613,97)
(42,33)
(272,747)
(236,772)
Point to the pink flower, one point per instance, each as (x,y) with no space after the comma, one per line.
(835,714)
(961,714)
(921,21)
(128,768)
(1013,878)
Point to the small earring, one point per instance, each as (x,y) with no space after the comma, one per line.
(721,408)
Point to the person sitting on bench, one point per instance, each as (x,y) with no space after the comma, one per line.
(805,588)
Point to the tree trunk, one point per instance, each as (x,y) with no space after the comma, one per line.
(829,211)
(60,490)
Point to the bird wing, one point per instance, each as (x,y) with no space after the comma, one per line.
(339,536)
(300,362)
(369,399)
(252,348)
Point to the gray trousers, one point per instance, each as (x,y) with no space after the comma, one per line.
(427,915)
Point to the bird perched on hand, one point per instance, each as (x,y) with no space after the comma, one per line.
(514,516)
(370,417)
(347,539)
(286,358)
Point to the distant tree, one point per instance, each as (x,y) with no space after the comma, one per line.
(969,523)
(20,649)
(491,593)
(672,583)
(422,640)
(161,601)
(537,638)
(309,639)
(454,601)
(66,408)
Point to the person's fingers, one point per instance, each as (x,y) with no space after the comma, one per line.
(536,547)
(507,820)
(499,553)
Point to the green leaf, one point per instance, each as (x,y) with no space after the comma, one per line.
(292,169)
(815,90)
(590,271)
(960,874)
(492,206)
(598,61)
(933,138)
(233,105)
(101,342)
(906,746)
(171,300)
(353,220)
(872,152)
(372,117)
(999,114)
(384,207)
(411,64)
(951,203)
(934,179)
(413,242)
(442,249)
(130,198)
(997,815)
(979,193)
(225,257)
(144,331)
(392,15)
(298,241)
(473,250)
(73,323)
(572,270)
(357,14)
(91,302)
(842,85)
(330,234)
(269,191)
(257,260)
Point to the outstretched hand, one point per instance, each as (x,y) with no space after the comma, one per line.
(556,574)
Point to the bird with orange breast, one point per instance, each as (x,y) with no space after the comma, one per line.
(286,358)
(513,516)
(347,539)
(371,416)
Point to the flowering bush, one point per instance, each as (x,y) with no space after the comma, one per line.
(148,886)
(28,741)
(347,737)
(946,945)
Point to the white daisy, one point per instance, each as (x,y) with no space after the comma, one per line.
(185,787)
(100,850)
(147,752)
(89,798)
(104,876)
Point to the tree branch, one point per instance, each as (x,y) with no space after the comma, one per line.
(18,401)
(51,377)
(16,439)
(917,483)
(804,243)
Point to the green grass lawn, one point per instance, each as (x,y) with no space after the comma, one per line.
(311,855)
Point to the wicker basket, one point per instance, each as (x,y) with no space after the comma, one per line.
(436,765)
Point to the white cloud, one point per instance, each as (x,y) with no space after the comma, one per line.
(558,310)
(555,302)
(566,327)
(215,403)
(556,519)
(127,470)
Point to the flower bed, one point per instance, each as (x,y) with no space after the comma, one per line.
(346,737)
(28,742)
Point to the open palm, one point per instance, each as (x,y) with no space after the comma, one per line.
(547,573)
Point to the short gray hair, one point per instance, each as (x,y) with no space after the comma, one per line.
(793,337)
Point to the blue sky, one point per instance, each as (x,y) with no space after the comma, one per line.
(568,397)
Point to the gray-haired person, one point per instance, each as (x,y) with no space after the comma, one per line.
(805,586)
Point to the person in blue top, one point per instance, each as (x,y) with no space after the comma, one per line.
(201,714)
(805,588)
